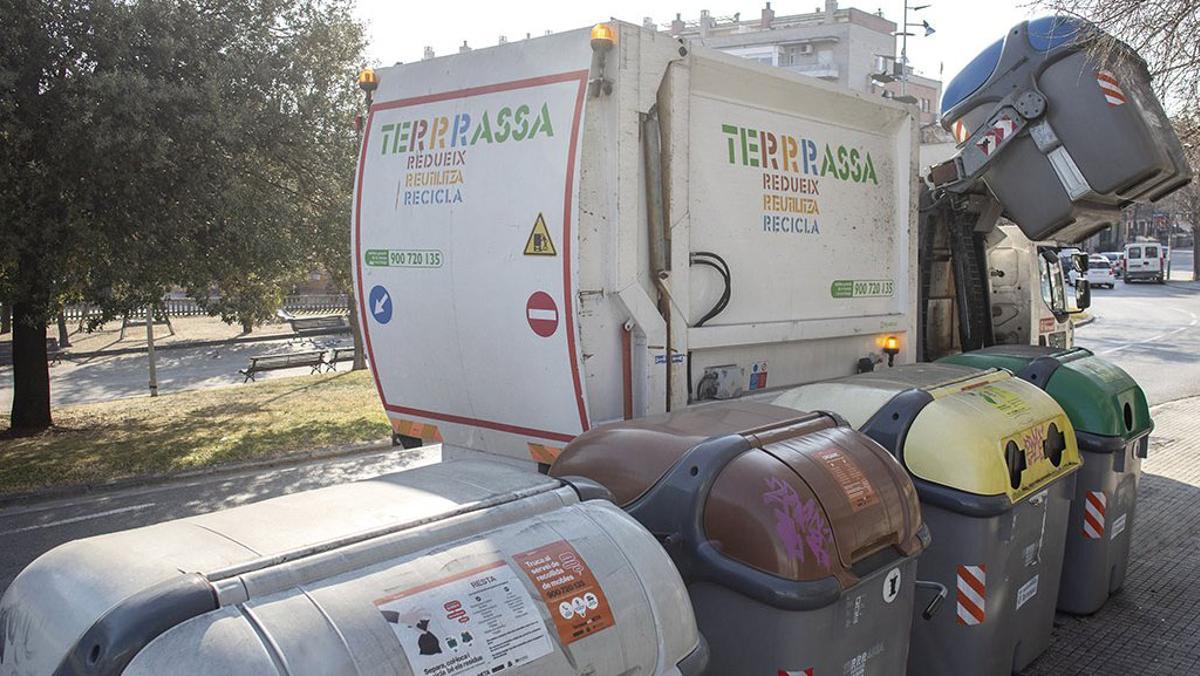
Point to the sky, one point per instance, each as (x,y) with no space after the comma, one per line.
(399,31)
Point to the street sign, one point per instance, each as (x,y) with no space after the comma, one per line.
(379,303)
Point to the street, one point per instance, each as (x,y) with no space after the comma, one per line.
(1153,332)
(27,531)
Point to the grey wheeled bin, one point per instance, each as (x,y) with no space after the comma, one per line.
(456,569)
(1063,135)
(993,460)
(796,535)
(1112,424)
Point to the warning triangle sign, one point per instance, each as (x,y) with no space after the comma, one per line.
(539,243)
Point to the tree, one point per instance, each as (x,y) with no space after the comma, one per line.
(1165,33)
(150,143)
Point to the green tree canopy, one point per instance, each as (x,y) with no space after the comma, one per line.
(148,143)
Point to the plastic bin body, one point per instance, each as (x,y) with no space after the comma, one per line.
(1112,424)
(797,536)
(870,635)
(1068,185)
(1019,552)
(997,546)
(433,570)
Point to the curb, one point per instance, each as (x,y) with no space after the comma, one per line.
(284,459)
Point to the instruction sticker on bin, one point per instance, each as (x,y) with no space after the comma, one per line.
(854,483)
(477,621)
(1010,403)
(569,589)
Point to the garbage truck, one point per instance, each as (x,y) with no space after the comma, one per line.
(1026,280)
(1058,130)
(592,227)
(587,228)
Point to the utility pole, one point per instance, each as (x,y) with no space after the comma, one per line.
(150,350)
(904,43)
(368,82)
(904,53)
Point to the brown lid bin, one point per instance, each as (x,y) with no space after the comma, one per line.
(787,507)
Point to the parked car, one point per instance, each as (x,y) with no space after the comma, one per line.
(1100,272)
(1117,259)
(1145,261)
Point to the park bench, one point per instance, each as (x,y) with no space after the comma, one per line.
(318,326)
(54,353)
(275,362)
(338,354)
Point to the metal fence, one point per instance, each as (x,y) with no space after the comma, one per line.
(187,307)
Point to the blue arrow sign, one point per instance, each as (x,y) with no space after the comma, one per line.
(379,303)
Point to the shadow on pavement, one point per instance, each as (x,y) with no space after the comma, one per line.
(1151,626)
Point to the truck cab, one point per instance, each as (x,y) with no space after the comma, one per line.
(1028,291)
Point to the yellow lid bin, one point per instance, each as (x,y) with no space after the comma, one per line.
(993,459)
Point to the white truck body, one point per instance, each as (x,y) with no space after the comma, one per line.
(1024,284)
(506,235)
(1021,283)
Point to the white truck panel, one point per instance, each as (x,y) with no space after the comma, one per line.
(458,323)
(818,239)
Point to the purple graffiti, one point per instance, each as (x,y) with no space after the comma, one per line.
(799,523)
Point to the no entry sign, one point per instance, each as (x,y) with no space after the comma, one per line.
(542,313)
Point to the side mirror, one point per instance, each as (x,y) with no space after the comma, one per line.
(1083,295)
(1080,262)
(1083,290)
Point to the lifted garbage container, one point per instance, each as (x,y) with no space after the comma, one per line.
(796,535)
(1064,134)
(1112,424)
(992,459)
(453,569)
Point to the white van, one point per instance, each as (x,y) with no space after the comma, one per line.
(1145,261)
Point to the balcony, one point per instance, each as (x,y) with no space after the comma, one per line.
(825,71)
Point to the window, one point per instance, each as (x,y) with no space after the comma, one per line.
(1151,252)
(1135,252)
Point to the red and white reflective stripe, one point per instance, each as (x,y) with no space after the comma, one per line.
(972,592)
(1093,514)
(960,131)
(995,136)
(1108,85)
(802,672)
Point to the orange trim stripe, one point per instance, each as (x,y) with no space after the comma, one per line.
(417,430)
(543,453)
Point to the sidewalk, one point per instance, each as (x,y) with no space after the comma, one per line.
(1152,626)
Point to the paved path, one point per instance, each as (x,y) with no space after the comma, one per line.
(112,377)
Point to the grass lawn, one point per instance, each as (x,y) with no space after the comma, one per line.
(92,443)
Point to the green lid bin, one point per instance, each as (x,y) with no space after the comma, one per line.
(1112,423)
